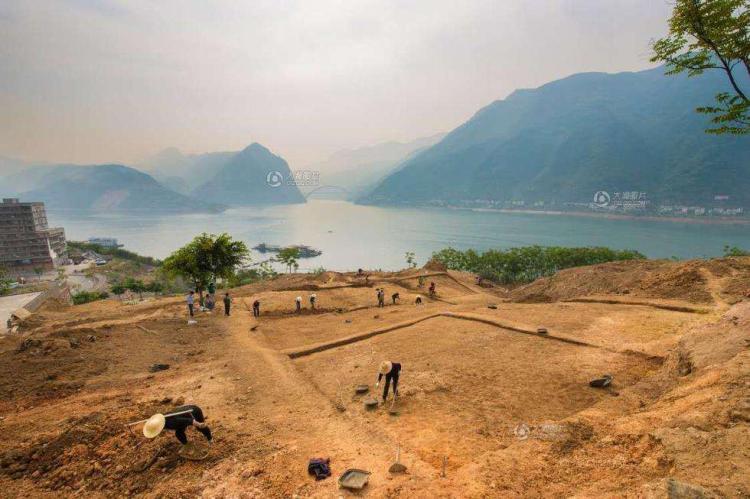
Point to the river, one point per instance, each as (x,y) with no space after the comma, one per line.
(353,236)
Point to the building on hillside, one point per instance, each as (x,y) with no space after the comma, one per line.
(26,241)
(105,242)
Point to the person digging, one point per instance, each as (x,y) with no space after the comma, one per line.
(391,371)
(178,420)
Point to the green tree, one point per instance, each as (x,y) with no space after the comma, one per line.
(155,287)
(206,258)
(411,261)
(289,256)
(4,281)
(735,251)
(136,286)
(118,290)
(38,271)
(712,35)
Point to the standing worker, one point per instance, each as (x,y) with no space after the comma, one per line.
(432,289)
(256,308)
(227,303)
(298,303)
(179,420)
(312,301)
(190,301)
(390,370)
(381,297)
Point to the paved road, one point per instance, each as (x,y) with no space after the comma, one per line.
(8,304)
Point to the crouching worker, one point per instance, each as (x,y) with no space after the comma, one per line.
(178,420)
(390,370)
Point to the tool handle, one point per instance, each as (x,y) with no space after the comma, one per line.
(166,415)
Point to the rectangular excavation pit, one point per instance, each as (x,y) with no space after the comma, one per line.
(617,327)
(465,386)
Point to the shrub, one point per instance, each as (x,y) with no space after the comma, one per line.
(526,264)
(88,296)
(735,251)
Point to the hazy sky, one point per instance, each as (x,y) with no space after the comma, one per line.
(101,80)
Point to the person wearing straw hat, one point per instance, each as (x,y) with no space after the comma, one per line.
(178,420)
(391,371)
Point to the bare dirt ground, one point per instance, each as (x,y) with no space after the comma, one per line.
(496,408)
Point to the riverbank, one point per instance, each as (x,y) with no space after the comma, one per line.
(621,216)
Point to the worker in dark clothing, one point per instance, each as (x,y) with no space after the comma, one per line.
(256,308)
(313,297)
(178,420)
(391,371)
(432,289)
(227,303)
(418,301)
(394,297)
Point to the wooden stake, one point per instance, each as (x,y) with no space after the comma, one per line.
(445,462)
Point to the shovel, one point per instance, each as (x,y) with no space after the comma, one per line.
(397,467)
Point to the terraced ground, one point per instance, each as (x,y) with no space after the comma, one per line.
(487,408)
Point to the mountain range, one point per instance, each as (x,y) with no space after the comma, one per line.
(205,182)
(568,139)
(103,188)
(357,171)
(184,172)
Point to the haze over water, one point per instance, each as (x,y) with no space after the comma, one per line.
(353,236)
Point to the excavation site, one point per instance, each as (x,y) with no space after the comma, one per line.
(625,379)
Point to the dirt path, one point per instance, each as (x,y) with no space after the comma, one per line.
(714,287)
(288,408)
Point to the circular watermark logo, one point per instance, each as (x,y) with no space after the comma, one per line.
(522,431)
(274,179)
(602,199)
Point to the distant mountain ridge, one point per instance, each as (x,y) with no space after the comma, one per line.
(360,170)
(102,188)
(570,138)
(252,176)
(184,172)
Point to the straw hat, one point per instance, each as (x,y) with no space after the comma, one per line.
(154,425)
(385,367)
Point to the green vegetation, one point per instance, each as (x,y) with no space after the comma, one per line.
(411,261)
(304,251)
(735,251)
(206,258)
(4,281)
(712,35)
(289,257)
(120,253)
(520,265)
(88,296)
(318,271)
(118,290)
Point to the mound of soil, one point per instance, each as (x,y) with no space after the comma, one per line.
(686,281)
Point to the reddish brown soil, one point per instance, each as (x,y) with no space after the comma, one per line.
(510,413)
